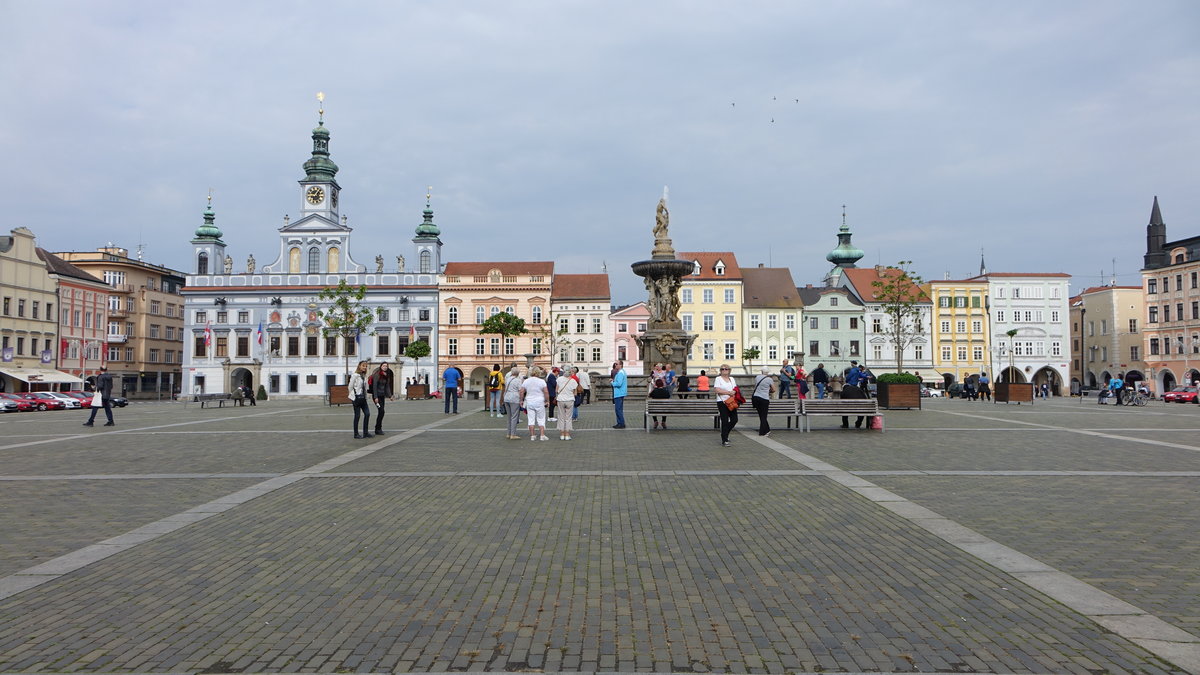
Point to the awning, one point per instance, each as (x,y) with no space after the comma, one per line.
(40,375)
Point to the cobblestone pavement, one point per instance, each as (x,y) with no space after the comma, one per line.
(969,537)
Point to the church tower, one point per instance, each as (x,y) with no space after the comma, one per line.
(844,255)
(1156,239)
(427,243)
(209,251)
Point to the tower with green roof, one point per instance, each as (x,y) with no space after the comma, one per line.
(428,242)
(209,249)
(845,255)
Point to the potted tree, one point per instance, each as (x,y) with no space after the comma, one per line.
(1008,391)
(345,317)
(898,294)
(417,350)
(899,390)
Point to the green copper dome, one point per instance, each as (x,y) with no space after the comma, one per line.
(846,254)
(427,228)
(319,167)
(209,230)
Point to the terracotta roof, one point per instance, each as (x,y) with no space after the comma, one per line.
(708,259)
(61,267)
(580,287)
(862,278)
(769,287)
(506,267)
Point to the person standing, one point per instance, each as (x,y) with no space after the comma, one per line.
(786,375)
(723,386)
(761,399)
(985,386)
(358,396)
(1116,387)
(534,396)
(512,401)
(670,378)
(451,387)
(585,381)
(104,387)
(494,388)
(577,375)
(820,380)
(552,389)
(620,387)
(382,390)
(567,388)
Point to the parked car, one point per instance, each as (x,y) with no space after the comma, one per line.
(929,392)
(86,398)
(70,401)
(9,405)
(23,404)
(1181,395)
(44,401)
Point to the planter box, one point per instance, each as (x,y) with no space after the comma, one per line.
(416,391)
(1013,392)
(899,396)
(339,394)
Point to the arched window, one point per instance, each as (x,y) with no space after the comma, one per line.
(332,258)
(537,314)
(202,263)
(509,310)
(426,262)
(479,314)
(314,260)
(495,311)
(294,260)
(452,316)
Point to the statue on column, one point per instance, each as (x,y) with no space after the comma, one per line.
(662,222)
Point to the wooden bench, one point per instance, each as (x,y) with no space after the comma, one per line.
(702,407)
(838,407)
(219,399)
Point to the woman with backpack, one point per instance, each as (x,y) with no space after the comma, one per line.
(495,385)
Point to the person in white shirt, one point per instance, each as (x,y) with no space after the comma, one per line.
(534,395)
(723,386)
(761,399)
(357,391)
(512,401)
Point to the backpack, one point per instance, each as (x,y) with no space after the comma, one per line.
(494,381)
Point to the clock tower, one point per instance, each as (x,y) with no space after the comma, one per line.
(319,188)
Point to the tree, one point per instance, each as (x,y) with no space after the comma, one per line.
(346,316)
(505,325)
(749,354)
(417,350)
(898,294)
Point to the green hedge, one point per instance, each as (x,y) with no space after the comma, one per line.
(898,378)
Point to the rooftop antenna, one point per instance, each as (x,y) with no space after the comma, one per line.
(604,266)
(1114,276)
(140,247)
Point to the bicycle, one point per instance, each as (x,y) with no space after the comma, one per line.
(1138,399)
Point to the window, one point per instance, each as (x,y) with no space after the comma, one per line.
(199,348)
(835,348)
(426,262)
(814,323)
(595,324)
(580,353)
(494,311)
(707,321)
(730,351)
(383,345)
(706,296)
(685,319)
(1166,313)
(641,327)
(36,309)
(1154,346)
(945,352)
(222,317)
(877,352)
(452,347)
(1135,353)
(494,345)
(1133,326)
(729,321)
(510,346)
(1152,286)
(243,345)
(772,352)
(20,307)
(814,348)
(772,321)
(1194,280)
(960,326)
(222,347)
(1056,348)
(480,346)
(728,296)
(1166,284)
(876,325)
(155,307)
(537,346)
(854,348)
(293,343)
(1054,317)
(790,321)
(201,317)
(962,352)
(944,301)
(789,350)
(977,353)
(330,346)
(311,348)
(833,302)
(382,314)
(537,314)
(480,314)
(580,324)
(78,316)
(853,323)
(685,296)
(564,324)
(423,314)
(708,351)
(753,322)
(1000,316)
(960,301)
(833,323)
(314,260)
(975,301)
(1195,310)
(1179,311)
(114,353)
(719,269)
(153,356)
(452,316)
(976,326)
(154,331)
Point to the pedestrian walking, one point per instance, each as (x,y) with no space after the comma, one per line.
(451,388)
(358,396)
(567,388)
(382,390)
(985,386)
(534,396)
(724,387)
(512,401)
(620,387)
(104,386)
(761,399)
(495,388)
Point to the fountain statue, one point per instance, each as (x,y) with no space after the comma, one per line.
(664,341)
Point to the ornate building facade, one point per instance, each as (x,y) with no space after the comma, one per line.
(1171,288)
(261,325)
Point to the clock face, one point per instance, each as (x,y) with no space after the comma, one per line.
(315,195)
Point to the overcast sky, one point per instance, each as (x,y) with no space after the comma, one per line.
(1037,131)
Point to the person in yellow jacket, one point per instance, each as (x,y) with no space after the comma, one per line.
(495,386)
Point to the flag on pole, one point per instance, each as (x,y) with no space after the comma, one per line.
(259,335)
(412,333)
(208,334)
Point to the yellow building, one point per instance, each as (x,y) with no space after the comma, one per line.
(710,306)
(960,328)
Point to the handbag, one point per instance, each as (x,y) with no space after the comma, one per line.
(97,400)
(731,403)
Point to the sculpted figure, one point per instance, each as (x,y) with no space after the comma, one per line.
(662,220)
(228,264)
(399,263)
(379,263)
(250,264)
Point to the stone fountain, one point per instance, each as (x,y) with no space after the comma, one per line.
(664,341)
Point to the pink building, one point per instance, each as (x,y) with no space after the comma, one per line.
(627,324)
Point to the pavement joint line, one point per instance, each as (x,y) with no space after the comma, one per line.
(1177,646)
(119,430)
(141,476)
(1085,432)
(50,570)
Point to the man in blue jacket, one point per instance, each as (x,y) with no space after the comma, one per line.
(620,387)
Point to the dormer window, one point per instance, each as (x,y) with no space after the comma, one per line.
(719,269)
(696,267)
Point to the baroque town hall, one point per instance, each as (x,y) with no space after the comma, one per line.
(260,325)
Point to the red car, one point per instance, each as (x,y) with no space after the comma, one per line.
(45,401)
(23,405)
(1181,395)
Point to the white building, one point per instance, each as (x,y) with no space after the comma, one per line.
(1036,308)
(261,325)
(581,304)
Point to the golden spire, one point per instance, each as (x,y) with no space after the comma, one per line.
(321,107)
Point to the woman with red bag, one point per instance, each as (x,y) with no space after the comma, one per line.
(727,394)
